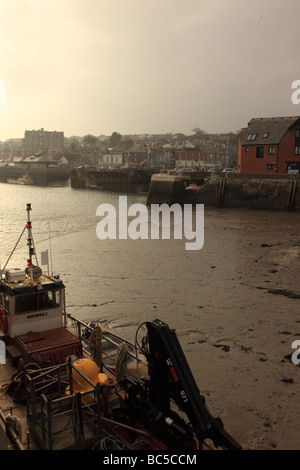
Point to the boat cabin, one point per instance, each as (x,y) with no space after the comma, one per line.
(32,313)
(27,306)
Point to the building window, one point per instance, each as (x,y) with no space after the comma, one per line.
(246,149)
(271,150)
(259,152)
(265,135)
(251,136)
(297,142)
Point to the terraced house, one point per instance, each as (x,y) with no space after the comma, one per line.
(270,145)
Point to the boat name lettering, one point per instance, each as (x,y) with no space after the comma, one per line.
(34,315)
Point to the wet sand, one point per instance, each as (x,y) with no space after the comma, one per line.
(234,306)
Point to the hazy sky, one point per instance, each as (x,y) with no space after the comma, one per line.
(146,66)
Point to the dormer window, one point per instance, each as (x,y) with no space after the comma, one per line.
(251,136)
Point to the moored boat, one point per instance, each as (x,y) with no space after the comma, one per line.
(72,385)
(24,179)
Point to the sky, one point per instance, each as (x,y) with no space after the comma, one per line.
(145,66)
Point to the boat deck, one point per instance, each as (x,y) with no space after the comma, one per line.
(4,441)
(9,408)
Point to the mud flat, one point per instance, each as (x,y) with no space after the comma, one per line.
(234,305)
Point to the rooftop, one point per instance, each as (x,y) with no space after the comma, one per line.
(265,131)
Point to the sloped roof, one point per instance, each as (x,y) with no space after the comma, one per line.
(56,154)
(38,158)
(266,131)
(138,148)
(185,144)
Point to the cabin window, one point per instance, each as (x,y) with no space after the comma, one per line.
(259,152)
(37,301)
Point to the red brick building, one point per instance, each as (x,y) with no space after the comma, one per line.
(270,145)
(188,155)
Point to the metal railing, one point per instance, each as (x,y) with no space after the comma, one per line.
(58,417)
(111,338)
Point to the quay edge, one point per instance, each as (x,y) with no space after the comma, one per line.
(275,192)
(39,176)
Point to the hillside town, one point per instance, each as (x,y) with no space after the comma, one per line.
(266,146)
(200,150)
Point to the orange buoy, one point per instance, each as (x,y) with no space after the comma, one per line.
(90,370)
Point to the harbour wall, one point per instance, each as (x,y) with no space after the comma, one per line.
(274,192)
(253,191)
(128,180)
(41,176)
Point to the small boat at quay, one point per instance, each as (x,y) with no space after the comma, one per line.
(24,179)
(69,385)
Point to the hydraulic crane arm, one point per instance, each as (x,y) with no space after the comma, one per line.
(171,377)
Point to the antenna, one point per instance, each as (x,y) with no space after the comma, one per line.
(29,243)
(50,246)
(31,248)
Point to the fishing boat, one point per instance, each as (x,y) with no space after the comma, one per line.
(67,384)
(24,179)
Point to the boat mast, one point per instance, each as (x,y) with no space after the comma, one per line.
(29,243)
